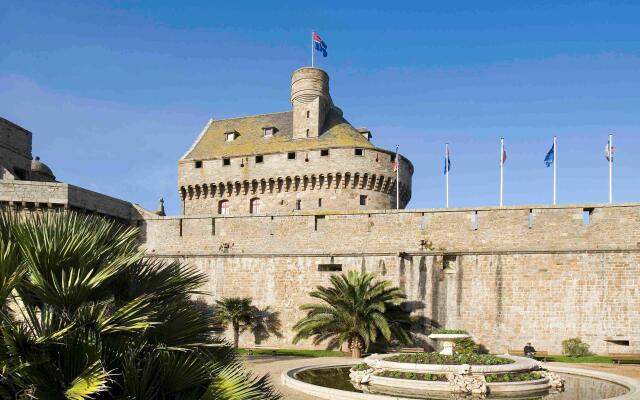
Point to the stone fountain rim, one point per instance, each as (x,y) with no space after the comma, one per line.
(288,379)
(520,364)
(449,336)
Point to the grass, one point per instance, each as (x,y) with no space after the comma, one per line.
(293,352)
(581,359)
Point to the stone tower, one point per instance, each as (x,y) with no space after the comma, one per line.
(310,100)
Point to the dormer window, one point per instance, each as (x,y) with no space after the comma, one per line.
(366,133)
(268,131)
(230,136)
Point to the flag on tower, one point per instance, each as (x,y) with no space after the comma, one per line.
(504,154)
(447,161)
(548,160)
(319,44)
(608,151)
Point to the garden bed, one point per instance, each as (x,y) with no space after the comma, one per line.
(456,359)
(520,377)
(413,376)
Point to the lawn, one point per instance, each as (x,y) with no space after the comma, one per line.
(294,353)
(581,359)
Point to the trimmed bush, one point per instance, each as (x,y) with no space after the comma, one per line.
(575,348)
(521,377)
(413,376)
(466,346)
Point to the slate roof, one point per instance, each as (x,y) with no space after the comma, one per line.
(337,132)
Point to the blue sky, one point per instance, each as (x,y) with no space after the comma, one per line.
(115,92)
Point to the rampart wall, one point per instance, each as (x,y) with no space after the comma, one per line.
(507,275)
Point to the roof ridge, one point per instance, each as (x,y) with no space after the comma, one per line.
(251,116)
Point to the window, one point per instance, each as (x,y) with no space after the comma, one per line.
(359,152)
(198,164)
(223,207)
(324,153)
(291,156)
(449,263)
(586,215)
(476,221)
(308,114)
(530,218)
(259,159)
(329,267)
(298,205)
(226,161)
(319,221)
(307,133)
(320,202)
(363,200)
(255,206)
(268,131)
(230,136)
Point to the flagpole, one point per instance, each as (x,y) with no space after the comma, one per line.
(501,169)
(446,172)
(312,49)
(397,179)
(555,161)
(610,168)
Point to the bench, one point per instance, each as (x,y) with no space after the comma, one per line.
(619,357)
(251,350)
(543,355)
(411,350)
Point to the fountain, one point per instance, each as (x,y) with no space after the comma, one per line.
(450,374)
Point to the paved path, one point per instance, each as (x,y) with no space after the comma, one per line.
(274,366)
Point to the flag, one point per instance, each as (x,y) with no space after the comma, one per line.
(504,154)
(447,161)
(319,44)
(608,151)
(548,159)
(396,161)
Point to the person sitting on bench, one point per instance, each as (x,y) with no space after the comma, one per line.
(529,350)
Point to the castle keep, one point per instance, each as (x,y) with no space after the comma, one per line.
(309,158)
(273,204)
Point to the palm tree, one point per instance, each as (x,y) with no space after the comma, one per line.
(237,311)
(354,310)
(84,315)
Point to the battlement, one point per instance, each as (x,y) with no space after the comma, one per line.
(469,230)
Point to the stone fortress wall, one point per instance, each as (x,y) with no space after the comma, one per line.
(337,178)
(15,151)
(507,275)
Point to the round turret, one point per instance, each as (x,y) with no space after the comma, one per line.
(40,171)
(307,84)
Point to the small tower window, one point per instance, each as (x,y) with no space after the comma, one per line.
(226,161)
(324,153)
(259,159)
(320,202)
(307,133)
(298,205)
(223,207)
(308,114)
(359,152)
(198,164)
(255,206)
(268,131)
(291,155)
(363,200)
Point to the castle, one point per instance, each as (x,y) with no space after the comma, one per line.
(273,204)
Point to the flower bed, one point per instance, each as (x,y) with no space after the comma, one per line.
(521,377)
(456,359)
(412,375)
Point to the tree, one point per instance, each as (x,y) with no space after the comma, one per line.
(84,315)
(237,311)
(355,310)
